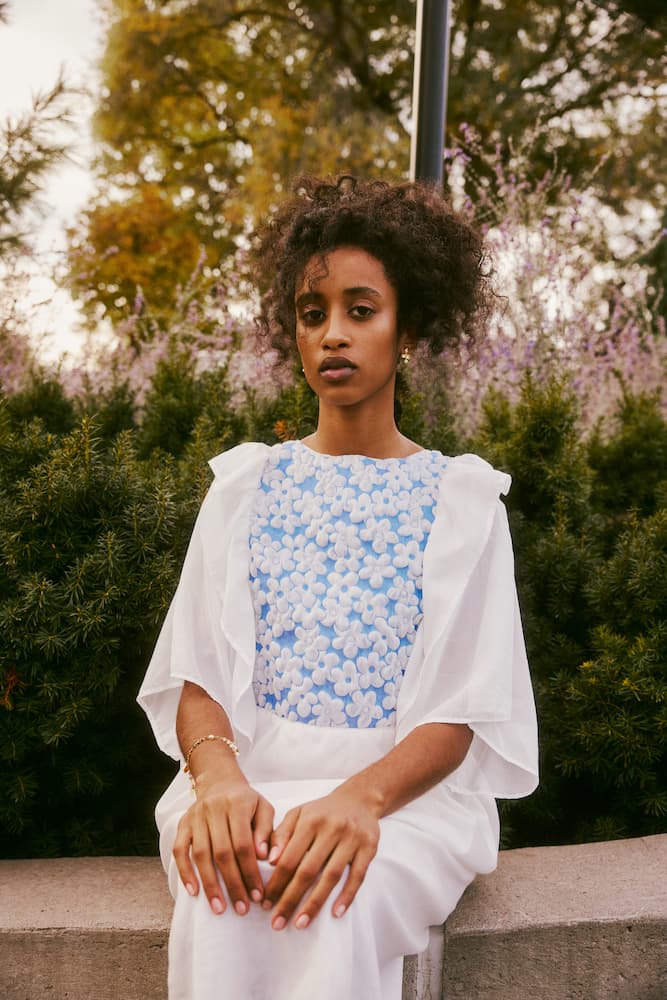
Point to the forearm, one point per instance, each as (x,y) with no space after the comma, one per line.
(228,826)
(199,715)
(427,755)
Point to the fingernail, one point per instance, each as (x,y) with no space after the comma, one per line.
(273,856)
(241,907)
(256,895)
(302,921)
(263,849)
(216,905)
(340,910)
(190,889)
(278,923)
(266,905)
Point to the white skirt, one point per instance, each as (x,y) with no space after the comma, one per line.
(429,851)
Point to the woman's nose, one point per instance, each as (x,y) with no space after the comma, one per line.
(337,330)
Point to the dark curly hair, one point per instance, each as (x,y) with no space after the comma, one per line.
(434,259)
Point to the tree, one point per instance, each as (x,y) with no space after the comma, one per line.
(141,242)
(578,80)
(31,144)
(29,149)
(220,104)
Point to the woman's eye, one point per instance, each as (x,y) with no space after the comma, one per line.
(362,312)
(312,317)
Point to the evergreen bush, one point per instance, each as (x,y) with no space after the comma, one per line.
(630,464)
(592,580)
(94,519)
(90,540)
(43,399)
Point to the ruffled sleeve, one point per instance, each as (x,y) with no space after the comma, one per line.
(469,662)
(209,633)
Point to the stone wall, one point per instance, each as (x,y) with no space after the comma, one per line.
(584,922)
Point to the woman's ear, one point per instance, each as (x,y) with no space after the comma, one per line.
(409,336)
(407,340)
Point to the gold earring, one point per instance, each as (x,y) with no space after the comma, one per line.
(405,355)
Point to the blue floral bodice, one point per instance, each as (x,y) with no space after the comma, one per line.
(336,547)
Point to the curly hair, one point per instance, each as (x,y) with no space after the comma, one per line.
(434,259)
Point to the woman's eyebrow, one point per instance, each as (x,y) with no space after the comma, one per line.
(313,296)
(363,290)
(307,297)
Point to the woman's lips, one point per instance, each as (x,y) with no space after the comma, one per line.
(336,374)
(335,369)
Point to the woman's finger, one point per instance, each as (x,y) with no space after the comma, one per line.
(332,874)
(354,881)
(282,835)
(245,856)
(297,856)
(202,853)
(181,852)
(306,900)
(296,873)
(263,827)
(223,857)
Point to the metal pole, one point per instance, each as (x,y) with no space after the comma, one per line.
(429,99)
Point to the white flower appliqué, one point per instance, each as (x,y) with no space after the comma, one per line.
(336,546)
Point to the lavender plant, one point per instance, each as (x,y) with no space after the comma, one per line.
(567,307)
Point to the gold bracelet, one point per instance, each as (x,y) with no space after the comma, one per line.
(204,739)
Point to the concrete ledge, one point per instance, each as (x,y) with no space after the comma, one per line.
(558,923)
(584,922)
(83,929)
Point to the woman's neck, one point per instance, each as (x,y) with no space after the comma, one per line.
(342,434)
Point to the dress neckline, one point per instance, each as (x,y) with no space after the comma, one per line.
(355,455)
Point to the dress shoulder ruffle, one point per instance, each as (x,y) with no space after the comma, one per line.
(468,662)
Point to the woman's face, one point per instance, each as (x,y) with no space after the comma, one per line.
(346,327)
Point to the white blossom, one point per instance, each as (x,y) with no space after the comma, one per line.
(336,547)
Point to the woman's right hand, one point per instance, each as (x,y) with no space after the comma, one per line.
(224,833)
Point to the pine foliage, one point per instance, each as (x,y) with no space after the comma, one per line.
(95,514)
(590,533)
(88,547)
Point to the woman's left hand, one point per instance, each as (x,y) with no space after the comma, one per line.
(311,849)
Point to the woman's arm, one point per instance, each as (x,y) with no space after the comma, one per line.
(229,825)
(317,841)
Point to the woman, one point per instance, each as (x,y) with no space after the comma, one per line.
(342,669)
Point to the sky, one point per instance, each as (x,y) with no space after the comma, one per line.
(42,37)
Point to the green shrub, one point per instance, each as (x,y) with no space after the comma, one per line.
(553,530)
(42,399)
(629,460)
(594,607)
(93,527)
(172,406)
(90,540)
(114,410)
(608,724)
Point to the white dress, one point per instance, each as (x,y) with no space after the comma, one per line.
(461,659)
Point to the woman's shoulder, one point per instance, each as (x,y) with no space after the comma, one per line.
(470,472)
(236,474)
(239,459)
